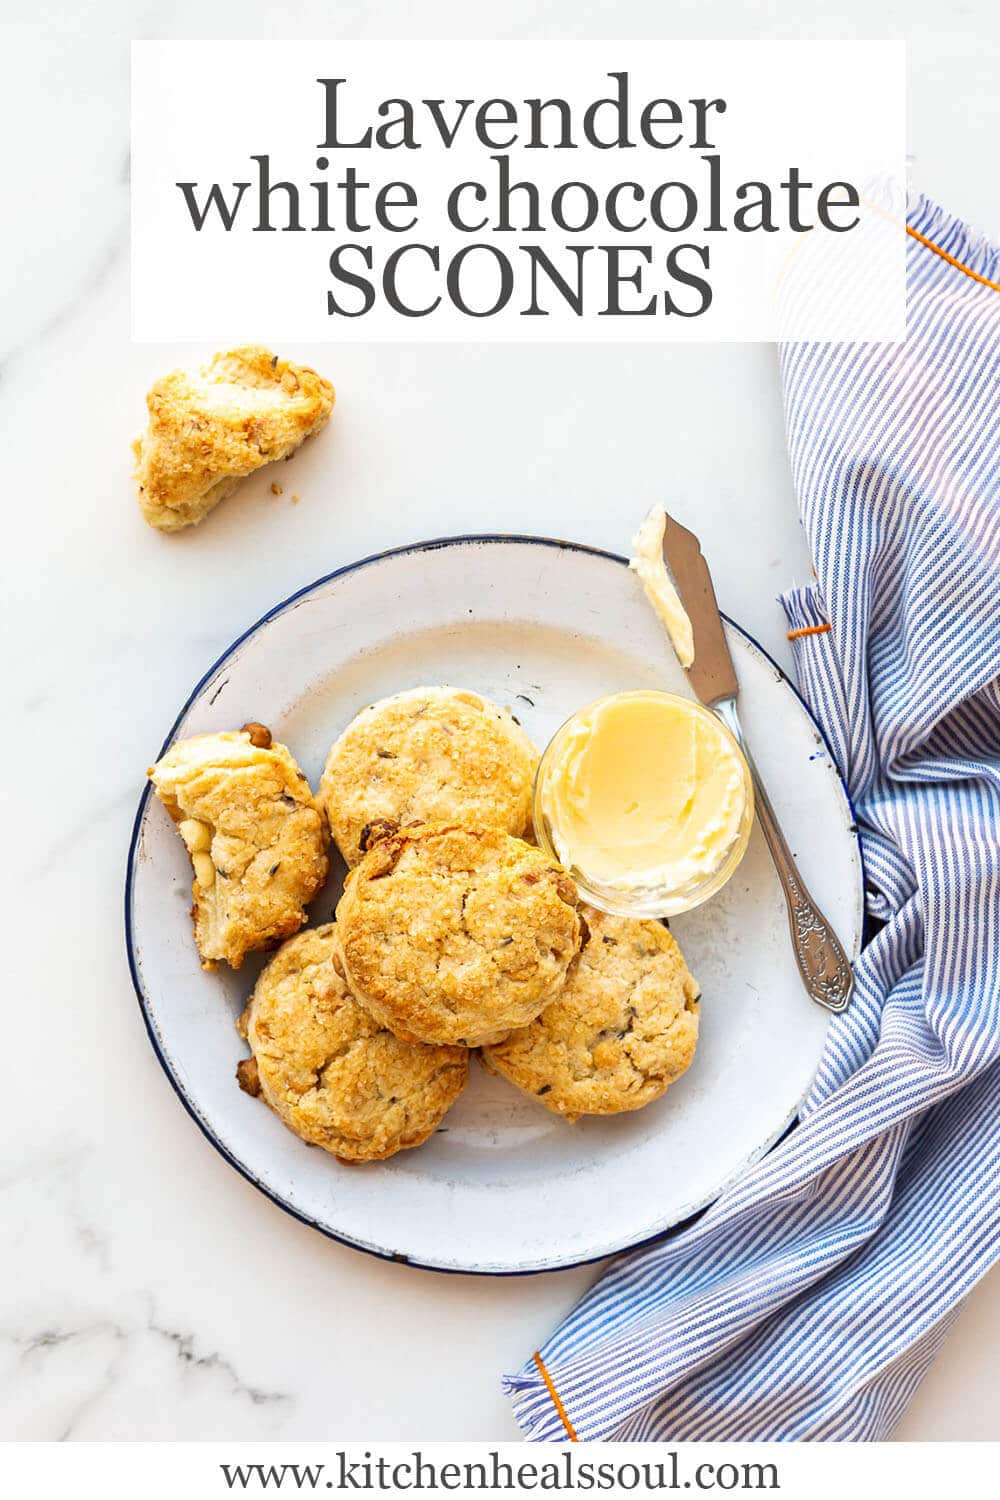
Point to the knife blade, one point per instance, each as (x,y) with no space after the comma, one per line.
(822,962)
(711,674)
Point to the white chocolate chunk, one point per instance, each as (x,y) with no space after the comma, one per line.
(196,835)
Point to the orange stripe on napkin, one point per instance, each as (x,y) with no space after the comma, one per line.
(994,286)
(555,1399)
(793,635)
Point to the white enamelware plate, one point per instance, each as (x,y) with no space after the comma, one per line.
(504,1186)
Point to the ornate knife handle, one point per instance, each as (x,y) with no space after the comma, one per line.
(823,964)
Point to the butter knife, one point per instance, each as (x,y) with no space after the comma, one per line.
(823,965)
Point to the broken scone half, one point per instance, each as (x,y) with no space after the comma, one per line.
(256,836)
(211,428)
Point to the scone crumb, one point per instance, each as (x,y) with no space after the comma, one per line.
(276,489)
(248,1076)
(259,734)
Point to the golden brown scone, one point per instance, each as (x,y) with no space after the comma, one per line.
(623,1028)
(456,935)
(328,1070)
(435,754)
(210,429)
(256,836)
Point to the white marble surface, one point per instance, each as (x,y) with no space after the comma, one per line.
(148,1291)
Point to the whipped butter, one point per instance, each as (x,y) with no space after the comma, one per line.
(648,564)
(644,791)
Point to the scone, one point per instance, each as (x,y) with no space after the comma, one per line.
(256,836)
(210,429)
(623,1028)
(456,935)
(432,753)
(328,1070)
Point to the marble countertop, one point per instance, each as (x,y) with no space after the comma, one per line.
(150,1291)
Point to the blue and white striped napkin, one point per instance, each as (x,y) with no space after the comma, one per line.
(809,1301)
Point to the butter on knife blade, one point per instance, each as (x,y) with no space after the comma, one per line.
(648,565)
